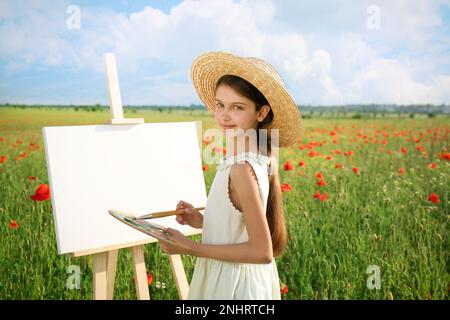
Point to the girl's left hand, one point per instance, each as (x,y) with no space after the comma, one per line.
(177,243)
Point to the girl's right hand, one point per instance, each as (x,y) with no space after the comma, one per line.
(191,216)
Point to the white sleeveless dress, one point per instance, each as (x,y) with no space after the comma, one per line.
(224,224)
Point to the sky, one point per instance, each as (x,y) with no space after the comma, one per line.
(328,52)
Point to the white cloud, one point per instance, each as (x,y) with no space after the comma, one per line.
(409,23)
(403,23)
(152,35)
(440,89)
(287,51)
(35,35)
(389,81)
(300,67)
(191,28)
(323,50)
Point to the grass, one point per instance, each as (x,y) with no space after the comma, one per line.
(379,217)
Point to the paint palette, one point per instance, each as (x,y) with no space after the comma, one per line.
(153,229)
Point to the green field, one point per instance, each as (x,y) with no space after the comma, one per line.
(380,216)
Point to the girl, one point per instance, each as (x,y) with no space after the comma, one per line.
(243,223)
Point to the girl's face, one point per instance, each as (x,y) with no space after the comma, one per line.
(234,111)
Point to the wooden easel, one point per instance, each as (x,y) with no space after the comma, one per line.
(105,260)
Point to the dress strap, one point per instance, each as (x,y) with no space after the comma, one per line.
(253,158)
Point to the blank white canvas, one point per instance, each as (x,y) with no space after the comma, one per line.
(139,168)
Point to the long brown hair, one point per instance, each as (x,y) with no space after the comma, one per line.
(275,208)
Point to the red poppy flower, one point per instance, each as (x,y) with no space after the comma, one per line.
(339,165)
(33,146)
(22,156)
(403,149)
(355,170)
(433,165)
(329,157)
(284,288)
(401,170)
(149,278)
(13,224)
(32,178)
(434,198)
(288,166)
(319,175)
(204,167)
(321,197)
(2,159)
(348,153)
(285,187)
(42,193)
(446,156)
(301,164)
(321,183)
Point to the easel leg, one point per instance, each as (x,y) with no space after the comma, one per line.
(111,273)
(180,276)
(104,269)
(140,273)
(100,278)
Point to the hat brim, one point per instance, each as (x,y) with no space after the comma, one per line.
(208,68)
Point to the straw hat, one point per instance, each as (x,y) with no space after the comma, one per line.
(209,67)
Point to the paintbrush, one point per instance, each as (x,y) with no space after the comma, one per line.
(160,214)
